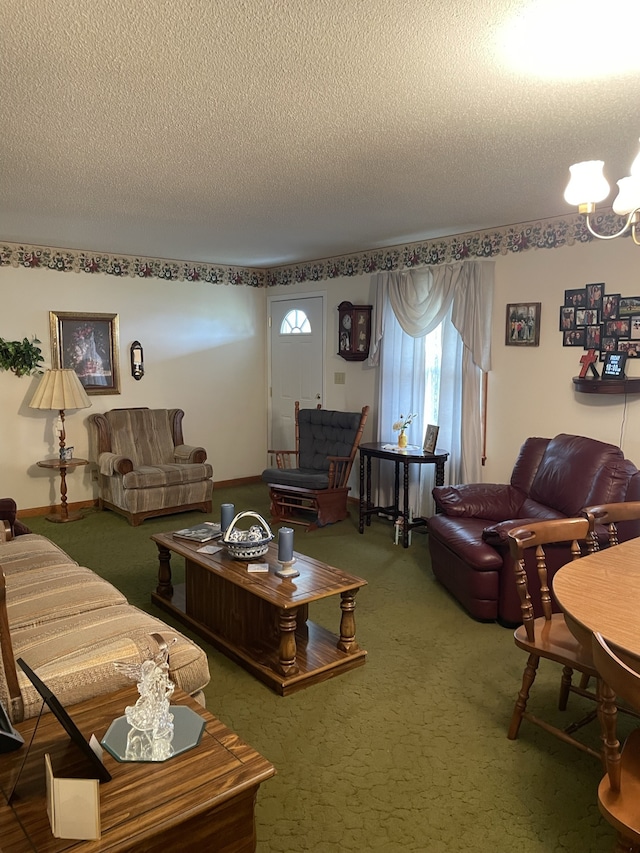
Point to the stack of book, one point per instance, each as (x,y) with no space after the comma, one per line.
(200,532)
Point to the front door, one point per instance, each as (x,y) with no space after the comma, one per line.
(297,363)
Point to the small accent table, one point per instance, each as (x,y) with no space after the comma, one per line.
(202,799)
(405,457)
(62,465)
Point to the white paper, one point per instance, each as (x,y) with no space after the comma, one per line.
(257,567)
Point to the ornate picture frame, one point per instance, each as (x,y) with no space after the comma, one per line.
(88,344)
(523,324)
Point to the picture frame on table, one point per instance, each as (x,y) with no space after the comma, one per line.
(89,345)
(523,324)
(431,438)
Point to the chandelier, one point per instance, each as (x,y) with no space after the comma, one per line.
(588,185)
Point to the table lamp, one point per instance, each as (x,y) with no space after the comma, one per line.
(60,390)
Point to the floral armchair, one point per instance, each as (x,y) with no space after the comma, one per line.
(144,467)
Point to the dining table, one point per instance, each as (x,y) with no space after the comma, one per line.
(601,592)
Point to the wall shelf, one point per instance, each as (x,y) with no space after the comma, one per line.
(590,385)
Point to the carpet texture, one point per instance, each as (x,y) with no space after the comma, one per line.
(408,752)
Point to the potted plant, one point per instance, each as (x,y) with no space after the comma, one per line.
(21,357)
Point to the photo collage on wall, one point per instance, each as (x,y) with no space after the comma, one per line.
(592,319)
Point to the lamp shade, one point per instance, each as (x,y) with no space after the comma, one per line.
(587,183)
(628,197)
(60,389)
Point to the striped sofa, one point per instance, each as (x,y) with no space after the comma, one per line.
(71,627)
(144,467)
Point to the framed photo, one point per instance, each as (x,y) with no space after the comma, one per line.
(430,438)
(576,298)
(617,327)
(567,318)
(628,305)
(573,338)
(594,295)
(592,337)
(632,348)
(634,327)
(523,324)
(610,306)
(88,344)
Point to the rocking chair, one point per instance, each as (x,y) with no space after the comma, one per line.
(312,479)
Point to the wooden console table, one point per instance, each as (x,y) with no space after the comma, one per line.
(202,799)
(258,619)
(402,457)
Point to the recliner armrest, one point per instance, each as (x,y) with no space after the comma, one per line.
(493,501)
(187,454)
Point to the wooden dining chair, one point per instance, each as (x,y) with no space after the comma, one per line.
(619,789)
(546,635)
(611,515)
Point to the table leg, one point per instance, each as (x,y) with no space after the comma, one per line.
(287,621)
(368,490)
(440,472)
(362,493)
(64,512)
(165,587)
(405,507)
(347,641)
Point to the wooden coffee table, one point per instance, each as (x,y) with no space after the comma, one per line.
(260,620)
(202,799)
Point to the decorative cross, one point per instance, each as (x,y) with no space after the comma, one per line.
(587,361)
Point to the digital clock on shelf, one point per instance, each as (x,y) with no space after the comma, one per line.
(354,331)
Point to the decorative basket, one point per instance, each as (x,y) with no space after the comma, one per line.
(247,544)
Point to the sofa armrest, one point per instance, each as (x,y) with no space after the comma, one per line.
(186,454)
(16,704)
(110,464)
(493,501)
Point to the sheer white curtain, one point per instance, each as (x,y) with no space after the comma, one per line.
(456,300)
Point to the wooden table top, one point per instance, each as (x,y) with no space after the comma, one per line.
(601,592)
(411,453)
(141,800)
(316,579)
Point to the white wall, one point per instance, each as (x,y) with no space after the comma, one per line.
(206,352)
(530,389)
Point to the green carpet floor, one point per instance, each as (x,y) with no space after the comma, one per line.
(408,752)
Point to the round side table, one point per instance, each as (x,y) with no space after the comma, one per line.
(63,465)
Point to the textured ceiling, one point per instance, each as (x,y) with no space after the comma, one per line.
(265,132)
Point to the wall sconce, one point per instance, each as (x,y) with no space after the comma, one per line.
(137,360)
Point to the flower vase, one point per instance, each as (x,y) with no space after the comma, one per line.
(402,439)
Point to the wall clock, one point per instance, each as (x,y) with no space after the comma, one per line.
(354,331)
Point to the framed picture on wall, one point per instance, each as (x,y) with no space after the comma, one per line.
(576,298)
(523,324)
(594,295)
(567,318)
(89,345)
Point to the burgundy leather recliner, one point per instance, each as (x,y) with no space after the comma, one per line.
(552,478)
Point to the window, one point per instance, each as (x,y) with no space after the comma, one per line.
(296,322)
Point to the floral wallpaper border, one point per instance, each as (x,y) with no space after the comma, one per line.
(544,234)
